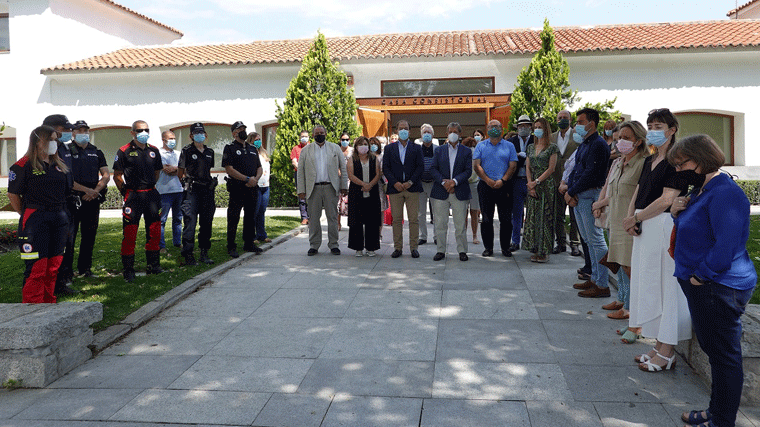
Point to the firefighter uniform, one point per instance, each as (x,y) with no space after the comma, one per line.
(86,164)
(139,166)
(198,198)
(43,226)
(243,158)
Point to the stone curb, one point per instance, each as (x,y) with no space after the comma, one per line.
(113,333)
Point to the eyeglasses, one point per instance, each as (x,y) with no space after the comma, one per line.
(345,139)
(660,111)
(142,130)
(680,165)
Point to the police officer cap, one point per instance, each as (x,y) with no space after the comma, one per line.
(197,128)
(79,124)
(57,120)
(237,125)
(524,119)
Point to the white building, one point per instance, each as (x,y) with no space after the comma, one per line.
(706,72)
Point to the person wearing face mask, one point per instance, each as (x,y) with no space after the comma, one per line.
(658,305)
(586,181)
(322,176)
(566,149)
(364,173)
(254,139)
(345,147)
(520,181)
(452,167)
(428,144)
(610,129)
(241,162)
(198,206)
(615,198)
(471,143)
(295,154)
(90,170)
(37,188)
(136,170)
(478,136)
(403,166)
(714,269)
(539,217)
(170,188)
(376,147)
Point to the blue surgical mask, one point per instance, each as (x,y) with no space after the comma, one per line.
(82,138)
(343,143)
(373,148)
(608,132)
(257,143)
(171,143)
(199,137)
(539,133)
(427,138)
(577,138)
(656,138)
(478,138)
(403,134)
(581,131)
(453,137)
(142,137)
(65,137)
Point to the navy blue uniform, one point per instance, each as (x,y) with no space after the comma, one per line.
(198,198)
(243,158)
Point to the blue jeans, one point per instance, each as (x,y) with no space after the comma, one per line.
(716,317)
(624,289)
(593,235)
(519,191)
(261,208)
(173,202)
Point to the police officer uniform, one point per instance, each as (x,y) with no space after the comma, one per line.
(243,158)
(43,226)
(139,166)
(86,164)
(198,199)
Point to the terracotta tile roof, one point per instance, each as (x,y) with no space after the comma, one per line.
(739,9)
(139,15)
(679,35)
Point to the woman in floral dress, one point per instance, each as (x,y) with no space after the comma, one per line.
(539,167)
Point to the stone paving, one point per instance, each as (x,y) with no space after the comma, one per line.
(291,340)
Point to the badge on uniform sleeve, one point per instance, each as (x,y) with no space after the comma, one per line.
(127,210)
(238,152)
(26,252)
(195,157)
(116,159)
(152,155)
(11,176)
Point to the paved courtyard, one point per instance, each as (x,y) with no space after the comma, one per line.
(290,340)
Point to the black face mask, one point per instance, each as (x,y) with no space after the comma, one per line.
(319,138)
(242,135)
(693,178)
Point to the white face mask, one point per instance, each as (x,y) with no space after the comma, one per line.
(52,147)
(453,137)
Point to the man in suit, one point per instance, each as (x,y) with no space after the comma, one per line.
(520,180)
(567,146)
(321,176)
(451,169)
(403,167)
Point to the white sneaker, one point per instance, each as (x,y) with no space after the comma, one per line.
(359,254)
(371,253)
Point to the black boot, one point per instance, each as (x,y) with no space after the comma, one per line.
(128,261)
(204,257)
(189,258)
(153,259)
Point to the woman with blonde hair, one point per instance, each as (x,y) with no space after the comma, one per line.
(263,201)
(540,162)
(38,185)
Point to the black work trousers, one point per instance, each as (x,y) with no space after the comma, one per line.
(242,197)
(500,200)
(197,206)
(86,219)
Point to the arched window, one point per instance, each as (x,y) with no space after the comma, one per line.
(217,136)
(110,138)
(7,150)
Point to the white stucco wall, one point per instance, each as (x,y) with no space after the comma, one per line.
(48,32)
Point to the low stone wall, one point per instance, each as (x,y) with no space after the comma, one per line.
(41,342)
(697,359)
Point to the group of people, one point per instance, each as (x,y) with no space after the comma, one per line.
(58,186)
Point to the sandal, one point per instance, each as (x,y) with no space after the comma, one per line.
(618,315)
(629,337)
(648,366)
(707,423)
(644,358)
(696,417)
(614,305)
(475,240)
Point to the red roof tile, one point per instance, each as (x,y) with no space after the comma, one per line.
(139,15)
(739,9)
(678,35)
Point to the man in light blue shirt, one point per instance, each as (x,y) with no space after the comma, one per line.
(495,162)
(170,188)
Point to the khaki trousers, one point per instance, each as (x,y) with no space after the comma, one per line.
(412,202)
(323,197)
(441,215)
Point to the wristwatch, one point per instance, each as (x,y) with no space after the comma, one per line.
(502,181)
(538,181)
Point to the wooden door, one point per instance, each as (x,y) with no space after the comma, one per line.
(374,122)
(500,113)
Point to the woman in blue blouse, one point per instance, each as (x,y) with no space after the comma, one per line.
(713,269)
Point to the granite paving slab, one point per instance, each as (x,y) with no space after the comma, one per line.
(487,304)
(235,303)
(634,414)
(78,404)
(557,413)
(565,304)
(497,341)
(130,372)
(14,401)
(289,410)
(592,342)
(481,413)
(398,304)
(383,339)
(374,411)
(289,302)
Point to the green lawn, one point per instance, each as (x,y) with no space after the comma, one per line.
(753,247)
(119,298)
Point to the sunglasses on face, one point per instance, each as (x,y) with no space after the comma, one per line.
(142,130)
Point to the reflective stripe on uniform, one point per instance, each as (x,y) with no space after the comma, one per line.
(32,255)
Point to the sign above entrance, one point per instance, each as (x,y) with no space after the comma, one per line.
(434,100)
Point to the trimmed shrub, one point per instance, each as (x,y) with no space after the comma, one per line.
(751,189)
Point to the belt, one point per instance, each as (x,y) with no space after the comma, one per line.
(47,208)
(323,183)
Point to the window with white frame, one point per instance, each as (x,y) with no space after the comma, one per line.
(719,127)
(5,39)
(217,136)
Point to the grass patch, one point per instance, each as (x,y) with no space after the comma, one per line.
(753,247)
(119,298)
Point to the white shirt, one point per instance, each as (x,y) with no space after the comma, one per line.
(402,155)
(523,145)
(562,142)
(168,184)
(321,162)
(452,159)
(266,168)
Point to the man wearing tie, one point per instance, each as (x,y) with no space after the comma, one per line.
(452,167)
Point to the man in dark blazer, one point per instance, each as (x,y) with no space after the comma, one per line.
(567,146)
(403,166)
(452,167)
(520,181)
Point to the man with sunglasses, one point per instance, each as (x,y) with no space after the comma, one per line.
(136,170)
